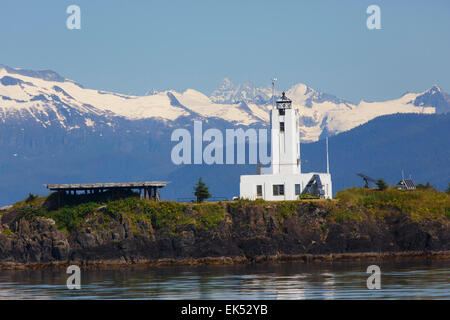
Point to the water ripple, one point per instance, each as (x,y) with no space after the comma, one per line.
(399,280)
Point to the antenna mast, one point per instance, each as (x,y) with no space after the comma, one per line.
(328,162)
(273,92)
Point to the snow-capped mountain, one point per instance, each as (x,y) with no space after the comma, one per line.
(434,97)
(32,95)
(325,114)
(228,93)
(49,99)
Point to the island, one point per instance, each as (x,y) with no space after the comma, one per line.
(98,231)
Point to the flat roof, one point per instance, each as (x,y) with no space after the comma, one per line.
(106,185)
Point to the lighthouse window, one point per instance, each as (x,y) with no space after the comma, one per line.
(281,112)
(259,190)
(278,190)
(281,126)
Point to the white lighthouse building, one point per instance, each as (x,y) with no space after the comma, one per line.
(284,179)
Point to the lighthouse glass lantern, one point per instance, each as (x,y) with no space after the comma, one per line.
(284,102)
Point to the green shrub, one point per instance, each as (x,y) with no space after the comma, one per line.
(71,218)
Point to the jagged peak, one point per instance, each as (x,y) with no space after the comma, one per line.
(435,88)
(151,92)
(227,81)
(226,84)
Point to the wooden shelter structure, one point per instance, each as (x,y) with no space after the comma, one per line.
(147,189)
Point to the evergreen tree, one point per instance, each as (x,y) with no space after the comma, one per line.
(427,186)
(201,191)
(448,188)
(381,184)
(31,197)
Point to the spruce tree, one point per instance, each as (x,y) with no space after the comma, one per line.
(381,184)
(201,191)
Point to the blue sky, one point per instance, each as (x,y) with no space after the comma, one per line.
(131,46)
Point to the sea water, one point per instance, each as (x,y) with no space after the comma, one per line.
(405,279)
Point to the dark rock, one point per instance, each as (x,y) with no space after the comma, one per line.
(248,231)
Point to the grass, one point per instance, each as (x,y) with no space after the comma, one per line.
(100,216)
(418,204)
(351,205)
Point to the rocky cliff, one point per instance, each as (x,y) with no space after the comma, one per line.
(129,231)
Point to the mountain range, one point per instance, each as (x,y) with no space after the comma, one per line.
(46,97)
(53,130)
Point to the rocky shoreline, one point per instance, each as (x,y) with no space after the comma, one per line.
(365,257)
(140,232)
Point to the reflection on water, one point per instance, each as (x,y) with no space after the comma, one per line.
(399,280)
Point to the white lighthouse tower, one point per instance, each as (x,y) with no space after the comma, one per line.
(283,180)
(285,147)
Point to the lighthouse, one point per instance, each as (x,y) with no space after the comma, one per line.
(283,179)
(285,136)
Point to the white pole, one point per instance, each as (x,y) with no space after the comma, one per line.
(328,162)
(273,92)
